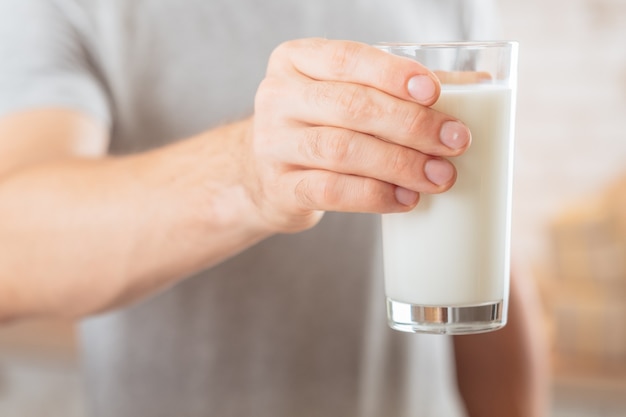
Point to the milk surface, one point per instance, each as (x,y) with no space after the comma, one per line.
(453,248)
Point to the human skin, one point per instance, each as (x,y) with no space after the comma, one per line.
(337,126)
(507,372)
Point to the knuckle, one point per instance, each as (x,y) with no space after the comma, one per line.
(314,44)
(281,53)
(344,59)
(320,93)
(282,57)
(402,161)
(388,70)
(267,92)
(304,194)
(373,191)
(341,147)
(311,146)
(357,106)
(413,120)
(331,191)
(274,97)
(334,148)
(352,102)
(285,46)
(318,191)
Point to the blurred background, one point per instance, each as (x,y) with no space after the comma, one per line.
(570,190)
(569,219)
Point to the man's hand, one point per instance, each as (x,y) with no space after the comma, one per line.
(343,126)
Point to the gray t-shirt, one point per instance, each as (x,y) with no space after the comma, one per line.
(293,327)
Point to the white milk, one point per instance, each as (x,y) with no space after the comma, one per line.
(453,249)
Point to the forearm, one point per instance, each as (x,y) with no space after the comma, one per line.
(507,372)
(83,235)
(86,235)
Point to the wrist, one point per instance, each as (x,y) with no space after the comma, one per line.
(202,182)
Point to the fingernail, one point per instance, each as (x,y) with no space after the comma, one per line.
(406,197)
(422,88)
(454,135)
(439,171)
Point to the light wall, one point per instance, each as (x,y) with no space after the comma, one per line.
(571,127)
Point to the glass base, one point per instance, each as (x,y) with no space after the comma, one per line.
(411,318)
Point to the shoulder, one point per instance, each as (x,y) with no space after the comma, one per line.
(44,58)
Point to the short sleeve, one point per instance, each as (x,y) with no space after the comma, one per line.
(44,61)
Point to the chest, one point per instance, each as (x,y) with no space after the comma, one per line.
(174,68)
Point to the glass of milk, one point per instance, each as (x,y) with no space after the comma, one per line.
(446,263)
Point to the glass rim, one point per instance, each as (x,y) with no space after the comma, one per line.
(448,44)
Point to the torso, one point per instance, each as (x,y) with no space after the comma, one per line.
(295,326)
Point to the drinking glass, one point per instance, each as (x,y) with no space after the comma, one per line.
(447,262)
